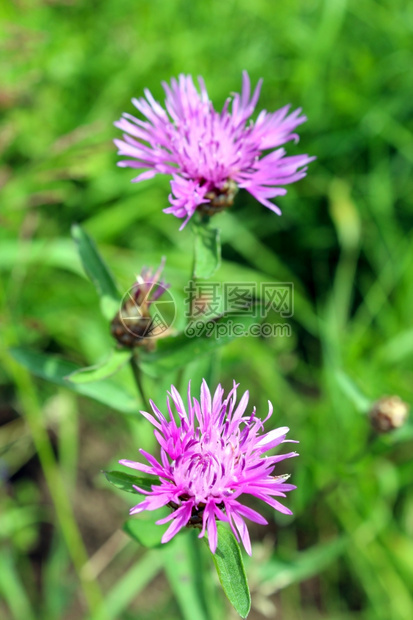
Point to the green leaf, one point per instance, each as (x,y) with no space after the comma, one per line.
(129,585)
(278,574)
(125,482)
(12,589)
(116,360)
(55,370)
(146,533)
(207,250)
(231,572)
(14,519)
(353,393)
(58,253)
(98,272)
(177,351)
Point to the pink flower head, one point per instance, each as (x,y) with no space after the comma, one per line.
(213,456)
(210,154)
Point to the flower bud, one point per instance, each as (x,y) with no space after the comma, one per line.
(135,325)
(388,413)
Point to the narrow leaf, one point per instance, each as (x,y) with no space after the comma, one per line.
(12,590)
(14,519)
(207,250)
(231,572)
(353,393)
(97,271)
(127,588)
(278,574)
(125,482)
(55,370)
(116,360)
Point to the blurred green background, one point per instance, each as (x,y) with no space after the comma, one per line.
(69,69)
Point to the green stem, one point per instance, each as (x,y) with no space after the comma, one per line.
(197,220)
(192,276)
(137,375)
(32,412)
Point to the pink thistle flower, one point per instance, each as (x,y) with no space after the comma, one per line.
(213,456)
(210,154)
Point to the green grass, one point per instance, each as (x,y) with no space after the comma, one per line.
(69,69)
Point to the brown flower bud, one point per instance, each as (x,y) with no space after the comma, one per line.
(136,324)
(131,328)
(388,413)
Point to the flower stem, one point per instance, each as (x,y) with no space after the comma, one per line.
(137,375)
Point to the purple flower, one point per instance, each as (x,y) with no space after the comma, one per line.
(216,454)
(210,154)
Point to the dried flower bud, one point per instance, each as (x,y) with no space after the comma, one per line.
(388,413)
(139,321)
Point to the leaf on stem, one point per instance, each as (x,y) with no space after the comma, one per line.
(55,370)
(116,360)
(98,272)
(125,482)
(231,571)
